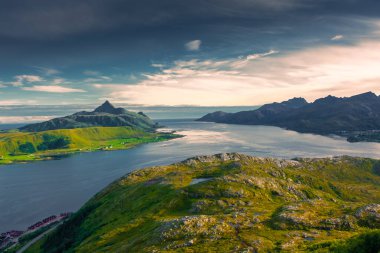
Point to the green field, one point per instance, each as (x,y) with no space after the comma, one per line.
(239,204)
(18,146)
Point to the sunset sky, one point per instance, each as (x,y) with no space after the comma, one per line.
(198,52)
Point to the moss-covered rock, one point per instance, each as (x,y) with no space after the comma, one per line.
(369,215)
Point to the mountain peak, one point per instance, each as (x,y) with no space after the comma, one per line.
(295,102)
(107,103)
(367,96)
(107,107)
(327,100)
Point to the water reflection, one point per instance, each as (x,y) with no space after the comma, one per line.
(31,192)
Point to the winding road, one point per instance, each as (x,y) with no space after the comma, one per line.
(26,246)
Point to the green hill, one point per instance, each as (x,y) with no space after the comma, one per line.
(29,146)
(231,203)
(107,127)
(105,115)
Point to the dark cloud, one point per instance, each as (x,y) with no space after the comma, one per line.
(46,19)
(58,19)
(125,33)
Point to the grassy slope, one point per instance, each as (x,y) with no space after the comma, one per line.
(81,139)
(248,205)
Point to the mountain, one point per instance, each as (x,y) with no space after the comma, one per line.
(329,115)
(107,107)
(231,203)
(264,114)
(105,115)
(105,128)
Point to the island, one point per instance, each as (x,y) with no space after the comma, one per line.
(231,203)
(105,128)
(356,118)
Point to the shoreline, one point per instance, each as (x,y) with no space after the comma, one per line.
(356,136)
(66,153)
(11,239)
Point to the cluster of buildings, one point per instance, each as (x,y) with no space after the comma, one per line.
(7,238)
(11,237)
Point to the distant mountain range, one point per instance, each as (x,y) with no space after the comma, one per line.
(105,115)
(349,116)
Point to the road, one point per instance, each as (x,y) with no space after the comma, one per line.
(26,246)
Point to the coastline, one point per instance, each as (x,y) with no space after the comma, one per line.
(368,136)
(63,153)
(20,240)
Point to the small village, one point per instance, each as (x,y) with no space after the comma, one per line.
(9,238)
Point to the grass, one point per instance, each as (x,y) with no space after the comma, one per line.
(368,242)
(33,146)
(248,205)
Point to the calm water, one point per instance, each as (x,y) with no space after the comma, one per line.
(30,192)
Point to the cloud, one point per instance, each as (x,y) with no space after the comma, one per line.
(337,37)
(48,71)
(207,82)
(52,89)
(57,81)
(20,79)
(193,45)
(98,79)
(95,77)
(16,102)
(157,65)
(259,78)
(108,86)
(46,19)
(29,78)
(245,60)
(22,119)
(91,73)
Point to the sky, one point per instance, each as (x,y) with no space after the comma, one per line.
(177,52)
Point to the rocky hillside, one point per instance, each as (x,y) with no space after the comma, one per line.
(231,203)
(353,116)
(105,115)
